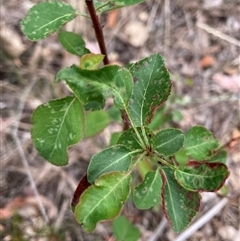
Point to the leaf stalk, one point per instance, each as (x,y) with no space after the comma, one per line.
(163,161)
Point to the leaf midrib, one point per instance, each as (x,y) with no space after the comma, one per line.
(167,142)
(202,144)
(60,127)
(110,191)
(51,22)
(196,175)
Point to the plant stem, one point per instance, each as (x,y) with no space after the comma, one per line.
(163,161)
(98,29)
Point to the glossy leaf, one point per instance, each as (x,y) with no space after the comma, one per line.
(57,125)
(129,138)
(147,194)
(151,88)
(113,4)
(115,158)
(179,205)
(199,142)
(202,176)
(46,18)
(168,141)
(91,61)
(123,230)
(103,200)
(96,122)
(73,43)
(96,85)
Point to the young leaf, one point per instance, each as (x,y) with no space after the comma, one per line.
(96,122)
(179,205)
(129,138)
(113,4)
(103,200)
(147,194)
(95,85)
(127,232)
(57,125)
(152,87)
(46,18)
(73,43)
(202,176)
(91,61)
(115,158)
(168,141)
(199,142)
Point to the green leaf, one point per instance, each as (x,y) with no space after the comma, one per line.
(94,106)
(46,18)
(177,116)
(199,142)
(123,230)
(181,157)
(96,122)
(91,61)
(73,43)
(221,157)
(57,125)
(114,138)
(147,194)
(96,85)
(168,141)
(82,186)
(114,158)
(151,88)
(129,138)
(115,114)
(179,205)
(223,191)
(103,200)
(158,119)
(202,176)
(113,4)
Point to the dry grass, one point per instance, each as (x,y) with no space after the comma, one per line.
(35,196)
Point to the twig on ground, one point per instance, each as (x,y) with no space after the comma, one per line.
(218,33)
(167,24)
(61,215)
(21,152)
(152,15)
(159,230)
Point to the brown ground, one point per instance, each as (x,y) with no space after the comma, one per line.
(200,41)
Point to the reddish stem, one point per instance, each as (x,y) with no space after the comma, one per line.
(98,29)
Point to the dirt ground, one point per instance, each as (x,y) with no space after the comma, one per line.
(200,41)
